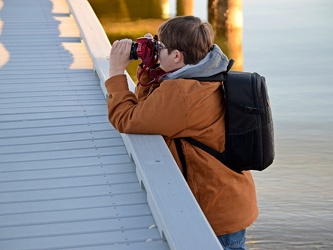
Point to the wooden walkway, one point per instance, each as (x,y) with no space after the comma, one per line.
(67,181)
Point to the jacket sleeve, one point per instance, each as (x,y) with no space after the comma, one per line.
(163,112)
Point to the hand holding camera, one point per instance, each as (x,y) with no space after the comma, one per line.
(119,57)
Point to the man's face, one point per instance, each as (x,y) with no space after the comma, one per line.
(170,61)
(166,62)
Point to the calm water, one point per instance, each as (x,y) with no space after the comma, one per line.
(291,43)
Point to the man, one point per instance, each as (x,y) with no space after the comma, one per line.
(176,106)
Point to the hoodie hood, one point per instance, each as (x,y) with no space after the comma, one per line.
(214,62)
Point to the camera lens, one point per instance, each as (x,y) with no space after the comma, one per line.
(133,53)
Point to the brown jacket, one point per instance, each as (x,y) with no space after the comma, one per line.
(189,108)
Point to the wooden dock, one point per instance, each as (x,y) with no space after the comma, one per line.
(68,179)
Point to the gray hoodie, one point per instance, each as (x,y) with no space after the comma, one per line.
(214,62)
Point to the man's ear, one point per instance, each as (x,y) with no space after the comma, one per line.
(178,57)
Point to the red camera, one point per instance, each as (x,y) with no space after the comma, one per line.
(146,50)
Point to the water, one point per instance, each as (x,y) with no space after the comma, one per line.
(291,44)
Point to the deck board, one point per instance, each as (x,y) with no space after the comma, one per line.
(66,179)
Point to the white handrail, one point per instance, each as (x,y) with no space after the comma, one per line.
(175,210)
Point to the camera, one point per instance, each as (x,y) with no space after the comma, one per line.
(146,50)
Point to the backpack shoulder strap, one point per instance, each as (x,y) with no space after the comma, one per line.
(231,62)
(181,156)
(218,155)
(221,156)
(219,77)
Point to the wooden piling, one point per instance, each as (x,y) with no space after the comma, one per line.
(226,18)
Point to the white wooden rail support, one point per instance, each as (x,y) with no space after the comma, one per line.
(175,210)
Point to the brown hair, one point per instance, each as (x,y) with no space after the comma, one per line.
(189,35)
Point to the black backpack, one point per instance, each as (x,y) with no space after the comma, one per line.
(249,126)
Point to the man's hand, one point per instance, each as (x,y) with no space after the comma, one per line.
(148,35)
(119,56)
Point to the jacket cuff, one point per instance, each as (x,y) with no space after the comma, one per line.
(116,83)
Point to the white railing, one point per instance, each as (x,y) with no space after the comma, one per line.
(175,210)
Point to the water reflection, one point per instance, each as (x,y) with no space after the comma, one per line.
(184,7)
(227,19)
(4,54)
(133,19)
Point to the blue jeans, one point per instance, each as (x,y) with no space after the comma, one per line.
(234,241)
